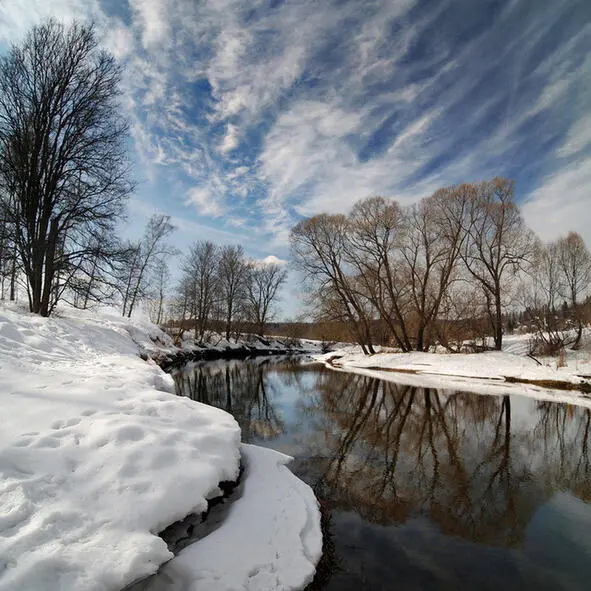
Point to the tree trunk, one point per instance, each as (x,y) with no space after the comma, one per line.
(36,277)
(13,277)
(577,343)
(498,321)
(90,282)
(420,338)
(229,322)
(49,269)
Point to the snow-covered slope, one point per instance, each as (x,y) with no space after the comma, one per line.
(96,454)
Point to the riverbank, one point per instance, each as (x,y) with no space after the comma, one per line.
(171,356)
(168,353)
(509,371)
(97,453)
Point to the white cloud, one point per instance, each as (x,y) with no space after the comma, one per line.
(17,17)
(320,153)
(230,140)
(206,202)
(562,203)
(317,155)
(273,260)
(578,139)
(119,39)
(154,23)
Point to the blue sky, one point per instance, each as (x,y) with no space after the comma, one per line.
(247,116)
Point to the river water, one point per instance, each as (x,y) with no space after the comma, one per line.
(420,488)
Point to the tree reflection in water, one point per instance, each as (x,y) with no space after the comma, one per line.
(238,387)
(399,451)
(477,467)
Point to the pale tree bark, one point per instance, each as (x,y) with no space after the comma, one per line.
(162,277)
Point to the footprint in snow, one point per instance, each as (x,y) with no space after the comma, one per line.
(67,423)
(130,433)
(48,441)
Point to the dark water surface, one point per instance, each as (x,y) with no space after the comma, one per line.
(421,488)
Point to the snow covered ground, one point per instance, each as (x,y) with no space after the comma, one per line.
(96,453)
(274,525)
(494,372)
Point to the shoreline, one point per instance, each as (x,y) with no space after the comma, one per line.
(496,373)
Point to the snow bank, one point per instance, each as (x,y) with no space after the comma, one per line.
(493,372)
(270,541)
(96,454)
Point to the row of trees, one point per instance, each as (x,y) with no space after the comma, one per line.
(221,287)
(422,269)
(558,277)
(64,181)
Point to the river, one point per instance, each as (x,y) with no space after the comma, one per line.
(420,488)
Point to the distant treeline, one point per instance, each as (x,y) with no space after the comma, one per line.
(461,258)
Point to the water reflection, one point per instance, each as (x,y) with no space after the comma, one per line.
(476,468)
(240,388)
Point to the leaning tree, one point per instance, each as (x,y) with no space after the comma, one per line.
(64,171)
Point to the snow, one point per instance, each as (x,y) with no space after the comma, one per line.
(96,453)
(491,372)
(275,524)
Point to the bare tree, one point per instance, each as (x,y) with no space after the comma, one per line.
(319,246)
(540,294)
(462,325)
(8,255)
(393,263)
(574,261)
(390,272)
(233,275)
(374,236)
(181,303)
(64,173)
(141,259)
(161,279)
(201,279)
(498,245)
(264,281)
(434,236)
(96,276)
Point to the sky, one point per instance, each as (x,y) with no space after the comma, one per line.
(247,116)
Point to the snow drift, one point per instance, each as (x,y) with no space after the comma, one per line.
(96,454)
